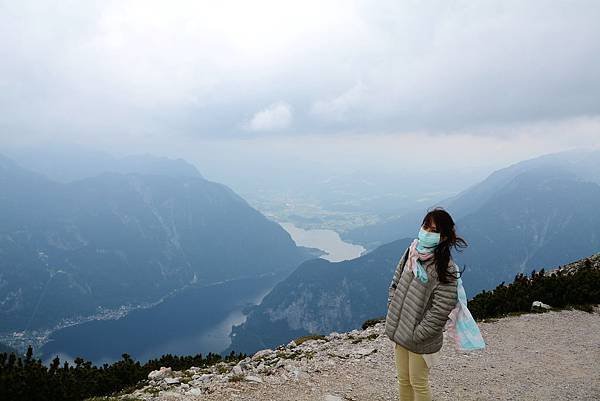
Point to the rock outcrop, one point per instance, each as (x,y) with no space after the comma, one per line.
(553,355)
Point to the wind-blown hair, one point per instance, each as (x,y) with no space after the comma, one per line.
(448,239)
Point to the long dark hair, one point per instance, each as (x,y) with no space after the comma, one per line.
(445,226)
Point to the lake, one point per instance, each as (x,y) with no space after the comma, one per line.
(195,320)
(326,240)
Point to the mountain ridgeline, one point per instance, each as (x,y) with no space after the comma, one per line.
(527,215)
(122,238)
(540,218)
(532,215)
(304,306)
(579,165)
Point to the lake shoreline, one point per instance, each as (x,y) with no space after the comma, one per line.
(329,241)
(41,351)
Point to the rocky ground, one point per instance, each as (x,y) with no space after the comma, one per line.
(536,356)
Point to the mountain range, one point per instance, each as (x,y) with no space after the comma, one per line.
(537,213)
(68,249)
(582,165)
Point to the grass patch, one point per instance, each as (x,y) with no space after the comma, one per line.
(293,355)
(584,307)
(237,377)
(356,340)
(222,368)
(152,390)
(131,388)
(310,354)
(309,337)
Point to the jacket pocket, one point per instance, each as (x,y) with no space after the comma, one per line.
(424,306)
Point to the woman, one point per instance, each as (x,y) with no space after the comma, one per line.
(422,294)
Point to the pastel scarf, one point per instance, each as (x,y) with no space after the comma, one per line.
(416,254)
(461,327)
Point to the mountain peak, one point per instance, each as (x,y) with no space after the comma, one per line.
(68,164)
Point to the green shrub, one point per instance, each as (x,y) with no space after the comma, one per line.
(372,322)
(581,288)
(29,379)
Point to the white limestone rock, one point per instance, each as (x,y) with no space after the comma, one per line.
(160,374)
(253,378)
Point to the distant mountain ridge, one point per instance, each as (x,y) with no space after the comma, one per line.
(68,163)
(581,165)
(320,297)
(113,239)
(534,220)
(520,217)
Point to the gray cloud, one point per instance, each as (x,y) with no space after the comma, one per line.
(141,69)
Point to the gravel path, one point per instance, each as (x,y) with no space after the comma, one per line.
(549,356)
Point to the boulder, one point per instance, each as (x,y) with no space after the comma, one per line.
(194,392)
(171,380)
(538,304)
(160,374)
(263,353)
(254,379)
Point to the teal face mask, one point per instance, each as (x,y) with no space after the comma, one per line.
(427,241)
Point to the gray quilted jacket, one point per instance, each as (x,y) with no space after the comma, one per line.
(417,312)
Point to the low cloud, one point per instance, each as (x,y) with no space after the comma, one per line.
(341,107)
(277,116)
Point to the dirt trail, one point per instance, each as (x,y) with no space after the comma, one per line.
(549,356)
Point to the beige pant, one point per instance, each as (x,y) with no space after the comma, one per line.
(413,375)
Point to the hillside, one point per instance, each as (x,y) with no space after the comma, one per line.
(527,208)
(529,224)
(531,221)
(547,356)
(580,165)
(72,249)
(6,348)
(320,297)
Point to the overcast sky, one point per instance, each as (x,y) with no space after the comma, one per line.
(483,82)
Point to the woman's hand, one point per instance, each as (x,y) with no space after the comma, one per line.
(445,297)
